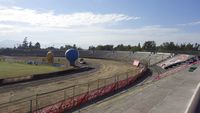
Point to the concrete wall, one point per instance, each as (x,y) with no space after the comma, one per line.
(126,56)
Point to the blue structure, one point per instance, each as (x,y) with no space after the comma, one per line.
(72,55)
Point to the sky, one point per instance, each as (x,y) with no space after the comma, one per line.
(95,22)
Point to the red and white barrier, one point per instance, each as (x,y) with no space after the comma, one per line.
(136,63)
(85,97)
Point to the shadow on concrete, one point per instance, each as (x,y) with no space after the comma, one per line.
(197,108)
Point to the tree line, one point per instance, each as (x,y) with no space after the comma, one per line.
(28,45)
(150,46)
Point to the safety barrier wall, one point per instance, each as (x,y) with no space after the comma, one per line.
(86,93)
(70,97)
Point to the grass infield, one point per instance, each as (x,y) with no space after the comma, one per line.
(8,70)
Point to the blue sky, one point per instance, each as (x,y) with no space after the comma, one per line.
(93,22)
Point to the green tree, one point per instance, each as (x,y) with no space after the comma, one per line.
(149,46)
(139,47)
(91,48)
(189,47)
(68,47)
(25,43)
(168,46)
(74,46)
(104,47)
(61,48)
(120,47)
(30,46)
(37,45)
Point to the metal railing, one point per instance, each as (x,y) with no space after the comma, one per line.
(69,97)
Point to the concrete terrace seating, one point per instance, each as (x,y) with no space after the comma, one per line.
(156,58)
(151,58)
(142,55)
(114,55)
(178,59)
(126,56)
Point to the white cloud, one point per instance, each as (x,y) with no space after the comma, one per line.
(50,19)
(190,24)
(94,35)
(83,29)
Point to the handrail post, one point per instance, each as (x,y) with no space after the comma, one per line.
(88,85)
(36,101)
(65,94)
(127,77)
(98,84)
(73,95)
(117,81)
(31,104)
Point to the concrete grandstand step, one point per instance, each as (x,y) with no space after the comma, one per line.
(157,69)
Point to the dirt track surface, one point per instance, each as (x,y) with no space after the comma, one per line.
(103,69)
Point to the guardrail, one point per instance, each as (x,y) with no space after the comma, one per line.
(67,98)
